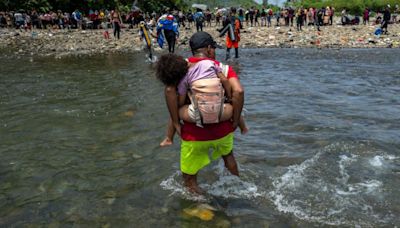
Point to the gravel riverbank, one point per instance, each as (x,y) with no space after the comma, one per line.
(59,43)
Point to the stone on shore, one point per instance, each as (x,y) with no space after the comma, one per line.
(61,43)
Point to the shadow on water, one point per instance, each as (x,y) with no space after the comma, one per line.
(79,143)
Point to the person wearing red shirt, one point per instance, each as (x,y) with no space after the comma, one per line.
(197,141)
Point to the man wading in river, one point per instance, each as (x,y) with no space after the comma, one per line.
(197,141)
(233,41)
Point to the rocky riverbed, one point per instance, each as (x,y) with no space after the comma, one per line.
(59,43)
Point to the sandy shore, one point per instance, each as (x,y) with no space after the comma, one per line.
(61,43)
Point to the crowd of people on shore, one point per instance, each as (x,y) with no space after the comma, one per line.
(93,19)
(166,26)
(253,16)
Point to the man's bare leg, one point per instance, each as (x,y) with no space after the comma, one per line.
(190,182)
(230,164)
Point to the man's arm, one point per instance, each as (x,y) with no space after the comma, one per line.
(172,104)
(237,100)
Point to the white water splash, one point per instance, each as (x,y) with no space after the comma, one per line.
(379,160)
(154,58)
(176,188)
(233,187)
(227,186)
(328,189)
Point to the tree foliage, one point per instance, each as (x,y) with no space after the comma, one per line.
(353,6)
(71,5)
(85,5)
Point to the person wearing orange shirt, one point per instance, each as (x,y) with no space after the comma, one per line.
(233,41)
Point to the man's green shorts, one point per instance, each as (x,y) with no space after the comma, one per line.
(195,154)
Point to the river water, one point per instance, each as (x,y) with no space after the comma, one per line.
(79,143)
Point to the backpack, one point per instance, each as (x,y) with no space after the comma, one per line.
(200,18)
(78,15)
(190,17)
(207,98)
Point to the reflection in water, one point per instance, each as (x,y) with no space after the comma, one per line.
(79,144)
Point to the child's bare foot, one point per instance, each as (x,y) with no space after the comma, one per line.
(244,130)
(166,142)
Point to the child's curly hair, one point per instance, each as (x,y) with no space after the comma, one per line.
(171,69)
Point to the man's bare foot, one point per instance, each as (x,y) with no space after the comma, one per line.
(196,190)
(190,182)
(166,142)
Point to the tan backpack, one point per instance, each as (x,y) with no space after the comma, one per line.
(207,98)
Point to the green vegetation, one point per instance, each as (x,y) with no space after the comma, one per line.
(123,5)
(84,5)
(353,6)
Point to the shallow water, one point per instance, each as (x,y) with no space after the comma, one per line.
(79,143)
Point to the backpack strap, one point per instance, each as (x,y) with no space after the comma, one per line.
(197,114)
(225,69)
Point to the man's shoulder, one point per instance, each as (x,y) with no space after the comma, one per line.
(228,70)
(194,59)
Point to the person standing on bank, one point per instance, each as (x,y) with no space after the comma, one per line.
(386,19)
(199,20)
(116,19)
(233,41)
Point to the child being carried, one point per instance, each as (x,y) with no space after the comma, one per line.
(206,86)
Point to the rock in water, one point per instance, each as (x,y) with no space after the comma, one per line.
(202,211)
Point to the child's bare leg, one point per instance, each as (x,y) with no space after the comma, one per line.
(184,114)
(168,140)
(243,126)
(227,113)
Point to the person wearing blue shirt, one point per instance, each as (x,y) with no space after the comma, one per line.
(167,28)
(199,19)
